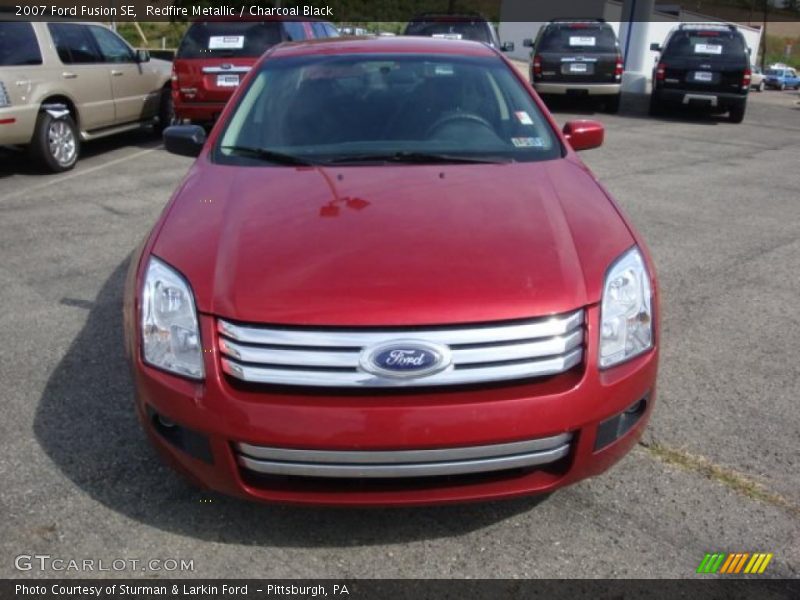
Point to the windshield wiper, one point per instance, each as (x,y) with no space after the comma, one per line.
(270,155)
(418,158)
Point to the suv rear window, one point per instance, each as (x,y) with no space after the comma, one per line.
(705,43)
(578,38)
(459,30)
(18,45)
(230,39)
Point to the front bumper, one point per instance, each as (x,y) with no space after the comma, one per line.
(219,432)
(566,89)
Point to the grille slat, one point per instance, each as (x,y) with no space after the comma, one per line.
(332,357)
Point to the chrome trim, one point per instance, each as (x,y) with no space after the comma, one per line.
(222,70)
(704,97)
(403,463)
(450,376)
(342,357)
(476,334)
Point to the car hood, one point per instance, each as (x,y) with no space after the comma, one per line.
(392,245)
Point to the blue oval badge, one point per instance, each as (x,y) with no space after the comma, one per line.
(405,359)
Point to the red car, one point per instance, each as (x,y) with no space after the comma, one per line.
(215,55)
(389,280)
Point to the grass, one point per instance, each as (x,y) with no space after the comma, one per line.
(728,477)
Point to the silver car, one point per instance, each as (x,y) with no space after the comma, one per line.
(63,83)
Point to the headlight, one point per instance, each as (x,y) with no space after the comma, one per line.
(170,336)
(626,316)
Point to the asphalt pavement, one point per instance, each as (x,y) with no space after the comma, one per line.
(718,469)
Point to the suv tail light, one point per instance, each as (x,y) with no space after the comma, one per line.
(5,99)
(537,66)
(618,68)
(661,70)
(746,79)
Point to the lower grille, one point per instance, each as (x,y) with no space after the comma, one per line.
(341,357)
(402,463)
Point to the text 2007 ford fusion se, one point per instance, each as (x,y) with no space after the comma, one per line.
(388,280)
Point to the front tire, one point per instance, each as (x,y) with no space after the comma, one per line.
(736,113)
(56,143)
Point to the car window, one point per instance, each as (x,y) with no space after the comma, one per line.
(457,30)
(230,39)
(114,50)
(295,31)
(18,45)
(335,107)
(74,44)
(331,30)
(705,43)
(578,38)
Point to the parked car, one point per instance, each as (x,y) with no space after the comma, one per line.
(577,58)
(782,78)
(757,79)
(214,56)
(705,66)
(65,83)
(457,27)
(389,279)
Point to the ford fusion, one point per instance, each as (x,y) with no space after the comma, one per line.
(387,279)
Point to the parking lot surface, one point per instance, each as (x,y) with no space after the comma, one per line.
(718,469)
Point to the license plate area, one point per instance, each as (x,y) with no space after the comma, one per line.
(577,68)
(703,77)
(227,81)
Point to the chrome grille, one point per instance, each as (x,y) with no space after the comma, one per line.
(332,357)
(403,463)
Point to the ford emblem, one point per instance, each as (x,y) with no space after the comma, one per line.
(405,359)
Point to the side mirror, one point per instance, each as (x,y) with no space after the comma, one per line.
(184,140)
(655,47)
(507,47)
(584,134)
(142,56)
(527,42)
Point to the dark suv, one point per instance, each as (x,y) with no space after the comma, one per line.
(577,58)
(702,65)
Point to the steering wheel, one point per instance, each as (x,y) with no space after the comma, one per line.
(461,116)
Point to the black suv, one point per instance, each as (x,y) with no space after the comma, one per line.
(573,57)
(457,27)
(707,66)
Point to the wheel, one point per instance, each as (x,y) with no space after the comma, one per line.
(612,104)
(761,87)
(656,108)
(166,111)
(55,142)
(736,113)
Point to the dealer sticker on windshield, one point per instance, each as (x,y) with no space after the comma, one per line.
(707,49)
(447,36)
(524,117)
(527,142)
(226,42)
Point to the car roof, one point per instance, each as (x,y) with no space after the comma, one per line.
(382,45)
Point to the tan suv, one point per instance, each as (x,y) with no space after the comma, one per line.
(63,83)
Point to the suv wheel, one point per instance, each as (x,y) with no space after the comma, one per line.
(55,142)
(656,108)
(166,111)
(736,114)
(612,104)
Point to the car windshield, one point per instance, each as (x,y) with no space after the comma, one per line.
(386,108)
(229,39)
(705,43)
(456,30)
(578,38)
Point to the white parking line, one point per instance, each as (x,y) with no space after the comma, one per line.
(78,173)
